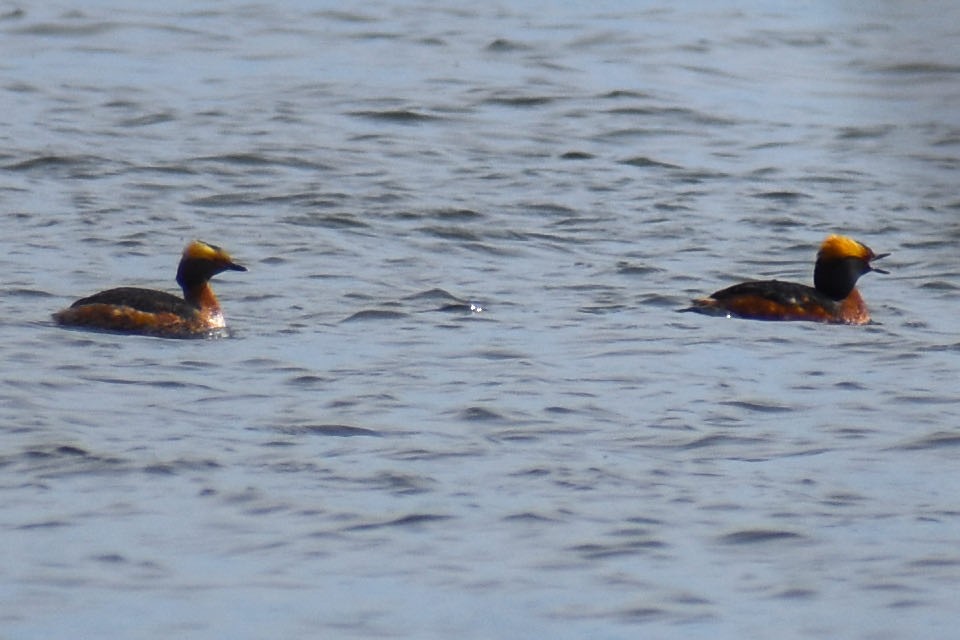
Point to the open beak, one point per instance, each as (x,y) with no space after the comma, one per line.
(877,257)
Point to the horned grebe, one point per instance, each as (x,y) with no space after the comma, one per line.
(833,298)
(157,313)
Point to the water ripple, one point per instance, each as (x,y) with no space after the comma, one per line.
(755,536)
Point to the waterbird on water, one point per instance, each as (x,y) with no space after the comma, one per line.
(157,313)
(833,298)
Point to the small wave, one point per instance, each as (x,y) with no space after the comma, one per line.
(65,29)
(49,162)
(527,516)
(346,16)
(644,162)
(442,214)
(399,116)
(327,221)
(237,199)
(519,102)
(861,133)
(630,547)
(782,196)
(481,414)
(62,460)
(459,234)
(717,440)
(499,354)
(679,113)
(375,314)
(796,593)
(433,294)
(629,269)
(448,302)
(334,430)
(309,380)
(183,464)
(148,119)
(29,293)
(411,520)
(939,285)
(920,68)
(757,405)
(255,159)
(624,94)
(159,384)
(43,524)
(56,452)
(938,440)
(753,536)
(503,45)
(941,562)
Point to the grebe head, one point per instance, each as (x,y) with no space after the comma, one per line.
(202,261)
(840,262)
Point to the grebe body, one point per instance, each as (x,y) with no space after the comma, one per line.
(833,298)
(149,312)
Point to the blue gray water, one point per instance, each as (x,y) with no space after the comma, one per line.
(458,400)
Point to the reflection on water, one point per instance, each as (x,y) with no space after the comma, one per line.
(458,399)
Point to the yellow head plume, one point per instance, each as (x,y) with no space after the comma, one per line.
(839,247)
(199,250)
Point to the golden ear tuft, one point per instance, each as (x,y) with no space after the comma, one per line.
(838,247)
(199,250)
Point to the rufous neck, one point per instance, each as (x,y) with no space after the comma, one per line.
(202,297)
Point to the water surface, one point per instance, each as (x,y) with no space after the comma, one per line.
(371,454)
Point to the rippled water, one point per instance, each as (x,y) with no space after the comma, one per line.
(373,455)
